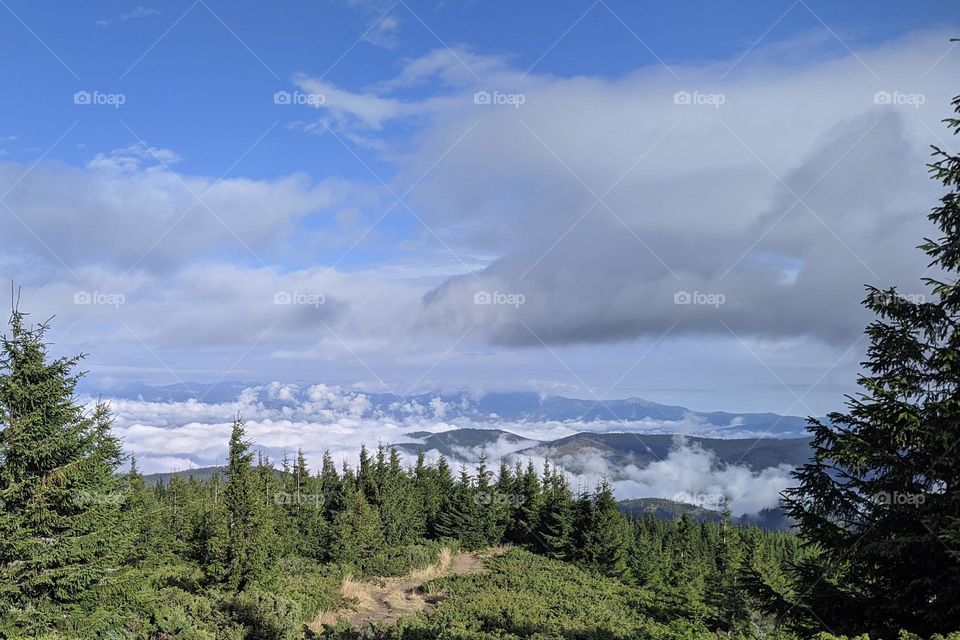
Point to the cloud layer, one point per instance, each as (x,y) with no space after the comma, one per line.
(281,418)
(736,204)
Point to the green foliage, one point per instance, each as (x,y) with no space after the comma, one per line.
(529,596)
(250,535)
(260,553)
(313,587)
(62,530)
(267,616)
(880,502)
(357,531)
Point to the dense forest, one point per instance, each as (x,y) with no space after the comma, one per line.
(89,550)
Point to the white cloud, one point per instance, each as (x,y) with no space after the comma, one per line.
(693,188)
(782,187)
(148,216)
(384,32)
(135,14)
(282,418)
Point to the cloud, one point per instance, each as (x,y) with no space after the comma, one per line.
(699,245)
(135,14)
(692,475)
(148,216)
(384,32)
(281,418)
(132,158)
(365,109)
(778,190)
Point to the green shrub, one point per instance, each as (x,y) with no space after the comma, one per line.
(267,616)
(314,588)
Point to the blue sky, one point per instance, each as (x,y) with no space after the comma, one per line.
(199,77)
(386,208)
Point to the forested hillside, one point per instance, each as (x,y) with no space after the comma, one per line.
(90,551)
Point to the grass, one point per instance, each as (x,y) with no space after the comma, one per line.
(523,595)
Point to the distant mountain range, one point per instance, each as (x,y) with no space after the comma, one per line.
(494,408)
(663,509)
(617,449)
(641,449)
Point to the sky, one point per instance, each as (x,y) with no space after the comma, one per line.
(593,199)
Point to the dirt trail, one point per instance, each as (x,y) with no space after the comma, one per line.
(388,599)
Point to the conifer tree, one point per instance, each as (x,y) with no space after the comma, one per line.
(724,593)
(458,517)
(250,531)
(366,476)
(147,516)
(555,520)
(357,531)
(62,533)
(491,508)
(526,509)
(437,485)
(331,489)
(607,537)
(881,498)
(209,539)
(400,510)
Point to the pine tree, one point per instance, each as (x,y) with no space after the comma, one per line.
(458,518)
(725,593)
(554,529)
(331,489)
(146,515)
(357,531)
(526,508)
(209,539)
(366,476)
(491,508)
(607,537)
(400,509)
(62,533)
(881,498)
(250,531)
(436,486)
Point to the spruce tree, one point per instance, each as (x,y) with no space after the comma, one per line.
(146,515)
(331,488)
(62,534)
(555,521)
(250,531)
(357,531)
(607,534)
(880,501)
(526,508)
(400,509)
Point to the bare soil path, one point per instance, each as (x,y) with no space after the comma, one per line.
(388,599)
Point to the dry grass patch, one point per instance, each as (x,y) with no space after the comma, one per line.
(391,598)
